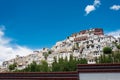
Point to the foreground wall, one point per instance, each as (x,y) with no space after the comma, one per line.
(84,72)
(39,76)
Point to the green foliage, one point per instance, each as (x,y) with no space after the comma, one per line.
(105,59)
(67,65)
(118,46)
(12,66)
(73,48)
(45,54)
(44,67)
(76,45)
(107,50)
(68,37)
(83,61)
(60,65)
(33,67)
(49,52)
(110,58)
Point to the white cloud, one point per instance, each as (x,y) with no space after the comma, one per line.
(90,8)
(96,3)
(8,50)
(115,7)
(114,33)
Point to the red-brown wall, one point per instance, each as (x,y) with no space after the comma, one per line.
(39,76)
(82,68)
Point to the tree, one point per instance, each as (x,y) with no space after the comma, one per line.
(60,65)
(118,47)
(33,66)
(44,66)
(54,65)
(68,37)
(76,45)
(107,50)
(83,61)
(67,65)
(73,48)
(110,58)
(45,54)
(12,66)
(107,59)
(72,63)
(49,52)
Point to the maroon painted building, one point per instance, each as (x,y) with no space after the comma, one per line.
(96,31)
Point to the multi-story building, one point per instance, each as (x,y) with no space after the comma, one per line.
(86,44)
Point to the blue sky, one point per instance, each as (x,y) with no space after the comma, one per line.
(41,23)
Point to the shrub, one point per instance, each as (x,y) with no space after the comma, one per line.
(107,50)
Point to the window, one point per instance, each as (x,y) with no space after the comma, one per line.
(87,46)
(92,46)
(92,41)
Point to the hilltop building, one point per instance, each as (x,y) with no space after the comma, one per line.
(84,44)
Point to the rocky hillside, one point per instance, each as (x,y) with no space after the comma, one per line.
(87,44)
